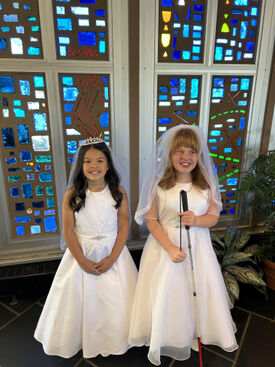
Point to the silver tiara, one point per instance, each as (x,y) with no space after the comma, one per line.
(90,141)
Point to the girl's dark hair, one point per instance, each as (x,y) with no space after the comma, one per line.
(80,184)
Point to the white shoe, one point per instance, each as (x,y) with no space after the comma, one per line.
(195,346)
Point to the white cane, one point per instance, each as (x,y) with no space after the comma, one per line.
(183,197)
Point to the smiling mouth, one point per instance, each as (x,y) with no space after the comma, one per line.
(185,164)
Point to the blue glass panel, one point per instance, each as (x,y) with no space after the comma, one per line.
(35,229)
(234,87)
(40,121)
(39,81)
(70,94)
(38,220)
(245,84)
(102,47)
(49,190)
(242,103)
(68,107)
(254,22)
(249,46)
(242,123)
(254,11)
(67,80)
(20,230)
(49,212)
(186,55)
(23,133)
(38,204)
(62,50)
(5,29)
(43,158)
(228,150)
(19,207)
(27,190)
(50,224)
(22,219)
(198,7)
(239,142)
(17,102)
(194,88)
(244,26)
(173,91)
(215,133)
(8,137)
(19,112)
(185,31)
(15,192)
(104,119)
(10,18)
(3,44)
(241,2)
(11,160)
(218,53)
(39,190)
(232,181)
(45,177)
(64,24)
(50,202)
(196,49)
(37,168)
(197,17)
(234,21)
(86,1)
(239,55)
(182,85)
(33,51)
(25,89)
(7,84)
(231,211)
(217,92)
(176,55)
(106,93)
(25,156)
(14,178)
(87,38)
(167,3)
(100,13)
(218,82)
(164,120)
(191,113)
(163,89)
(163,97)
(68,120)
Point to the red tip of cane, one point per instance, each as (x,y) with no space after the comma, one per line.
(200,352)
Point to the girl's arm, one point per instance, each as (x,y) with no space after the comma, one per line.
(157,231)
(68,222)
(204,221)
(122,235)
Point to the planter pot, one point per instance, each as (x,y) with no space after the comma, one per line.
(269,270)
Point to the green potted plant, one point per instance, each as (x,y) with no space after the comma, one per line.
(258,186)
(236,264)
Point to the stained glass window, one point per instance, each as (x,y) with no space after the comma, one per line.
(20,35)
(27,155)
(85,100)
(229,111)
(178,101)
(237,31)
(81,29)
(181,31)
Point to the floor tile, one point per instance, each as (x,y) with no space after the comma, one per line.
(240,318)
(25,291)
(19,348)
(5,316)
(209,360)
(254,301)
(258,347)
(135,357)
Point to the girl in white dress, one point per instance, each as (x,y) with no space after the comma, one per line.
(164,316)
(90,301)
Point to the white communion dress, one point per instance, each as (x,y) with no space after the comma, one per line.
(163,313)
(85,311)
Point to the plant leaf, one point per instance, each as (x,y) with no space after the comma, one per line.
(229,236)
(215,238)
(241,241)
(252,249)
(245,275)
(232,286)
(235,258)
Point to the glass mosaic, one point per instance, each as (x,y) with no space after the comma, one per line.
(178,101)
(229,112)
(81,29)
(25,144)
(20,35)
(181,31)
(237,31)
(86,109)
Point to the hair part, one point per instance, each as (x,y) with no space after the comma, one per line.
(187,138)
(80,184)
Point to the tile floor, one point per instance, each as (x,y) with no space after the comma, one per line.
(22,299)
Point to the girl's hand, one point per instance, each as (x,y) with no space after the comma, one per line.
(176,255)
(89,266)
(188,218)
(105,264)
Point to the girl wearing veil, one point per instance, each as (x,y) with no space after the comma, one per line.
(90,301)
(163,313)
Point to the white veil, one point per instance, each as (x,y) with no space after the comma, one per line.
(118,167)
(158,162)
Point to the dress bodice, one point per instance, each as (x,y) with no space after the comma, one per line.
(169,202)
(99,215)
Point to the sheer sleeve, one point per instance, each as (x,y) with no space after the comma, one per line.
(213,206)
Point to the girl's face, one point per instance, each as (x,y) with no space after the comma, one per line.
(184,160)
(95,166)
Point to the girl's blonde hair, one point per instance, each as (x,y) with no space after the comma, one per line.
(188,139)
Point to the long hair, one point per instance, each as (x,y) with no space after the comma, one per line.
(188,139)
(80,184)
